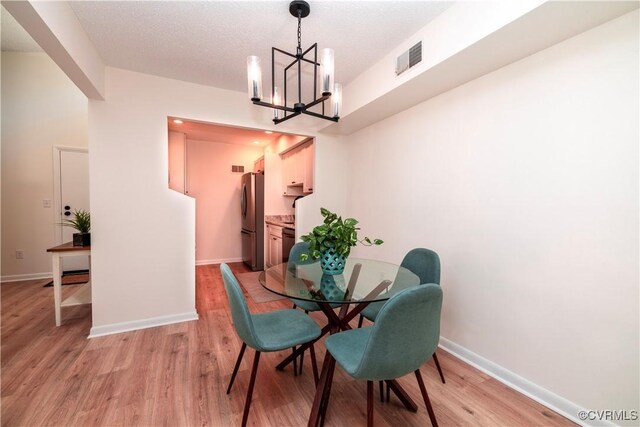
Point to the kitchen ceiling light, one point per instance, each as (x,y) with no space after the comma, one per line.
(268,132)
(299,9)
(177,121)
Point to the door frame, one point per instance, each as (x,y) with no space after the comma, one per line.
(57,196)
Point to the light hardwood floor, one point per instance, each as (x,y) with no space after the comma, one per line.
(176,375)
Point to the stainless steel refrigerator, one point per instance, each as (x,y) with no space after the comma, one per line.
(252,209)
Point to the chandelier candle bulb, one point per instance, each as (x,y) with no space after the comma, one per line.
(275,100)
(254,78)
(327,71)
(336,99)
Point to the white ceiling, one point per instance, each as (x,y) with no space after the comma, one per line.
(201,131)
(208,42)
(14,37)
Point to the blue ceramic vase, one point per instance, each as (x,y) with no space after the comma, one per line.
(332,263)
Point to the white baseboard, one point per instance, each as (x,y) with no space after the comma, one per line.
(541,395)
(23,277)
(116,328)
(217,261)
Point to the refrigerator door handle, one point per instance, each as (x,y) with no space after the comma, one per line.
(243,203)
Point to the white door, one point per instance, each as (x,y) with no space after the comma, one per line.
(74,195)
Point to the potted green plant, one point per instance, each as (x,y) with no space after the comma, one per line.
(81,222)
(332,241)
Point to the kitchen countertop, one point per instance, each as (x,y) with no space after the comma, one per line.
(288,221)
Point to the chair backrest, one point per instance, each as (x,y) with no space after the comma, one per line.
(405,334)
(239,310)
(294,256)
(424,263)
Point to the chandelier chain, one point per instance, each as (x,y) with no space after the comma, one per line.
(299,30)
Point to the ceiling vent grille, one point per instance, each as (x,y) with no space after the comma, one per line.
(236,168)
(409,58)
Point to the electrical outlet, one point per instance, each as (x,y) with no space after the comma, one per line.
(46,203)
(19,254)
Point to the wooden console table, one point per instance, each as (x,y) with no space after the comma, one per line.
(83,294)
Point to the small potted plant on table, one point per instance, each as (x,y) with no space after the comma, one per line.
(332,242)
(81,222)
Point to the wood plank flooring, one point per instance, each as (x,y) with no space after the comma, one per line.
(177,375)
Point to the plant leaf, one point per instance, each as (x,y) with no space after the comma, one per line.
(350,222)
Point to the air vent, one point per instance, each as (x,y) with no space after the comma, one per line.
(409,58)
(236,168)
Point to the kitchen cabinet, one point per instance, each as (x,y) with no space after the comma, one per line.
(307,160)
(274,245)
(293,168)
(258,165)
(287,171)
(297,170)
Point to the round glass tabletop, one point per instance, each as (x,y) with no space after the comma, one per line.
(375,281)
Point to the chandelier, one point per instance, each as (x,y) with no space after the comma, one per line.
(329,90)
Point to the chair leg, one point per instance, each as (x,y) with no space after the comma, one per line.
(318,400)
(360,321)
(388,392)
(302,354)
(235,369)
(252,382)
(381,391)
(435,359)
(369,403)
(295,362)
(425,396)
(314,364)
(327,393)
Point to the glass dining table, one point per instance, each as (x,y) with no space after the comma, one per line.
(363,281)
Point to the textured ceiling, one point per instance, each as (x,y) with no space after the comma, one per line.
(14,37)
(208,42)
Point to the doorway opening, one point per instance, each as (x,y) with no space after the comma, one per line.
(70,194)
(237,178)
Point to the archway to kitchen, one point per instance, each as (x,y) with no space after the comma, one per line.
(210,162)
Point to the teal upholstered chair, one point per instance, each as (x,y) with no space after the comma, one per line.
(308,306)
(264,332)
(404,336)
(425,264)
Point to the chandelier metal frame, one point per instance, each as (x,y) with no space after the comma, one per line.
(299,9)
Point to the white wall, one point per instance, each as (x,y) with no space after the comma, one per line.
(217,193)
(41,108)
(143,256)
(525,181)
(177,160)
